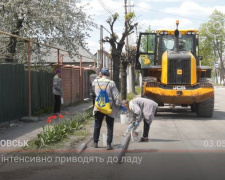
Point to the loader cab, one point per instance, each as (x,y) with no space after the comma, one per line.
(146,51)
(187,42)
(170,70)
(151,46)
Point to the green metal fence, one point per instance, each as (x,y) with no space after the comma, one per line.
(14,91)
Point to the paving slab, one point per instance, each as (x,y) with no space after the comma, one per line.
(24,131)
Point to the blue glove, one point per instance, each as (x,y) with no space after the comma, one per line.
(133,126)
(123,109)
(136,124)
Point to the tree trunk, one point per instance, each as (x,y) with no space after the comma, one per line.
(133,77)
(13,41)
(123,80)
(116,70)
(220,51)
(11,50)
(222,68)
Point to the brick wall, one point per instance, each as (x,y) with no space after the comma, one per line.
(66,83)
(71,84)
(75,85)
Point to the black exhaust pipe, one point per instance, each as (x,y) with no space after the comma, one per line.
(176,39)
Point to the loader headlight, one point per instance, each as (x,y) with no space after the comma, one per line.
(163,32)
(190,32)
(152,84)
(206,85)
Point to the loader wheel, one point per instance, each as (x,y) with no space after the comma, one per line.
(205,108)
(193,107)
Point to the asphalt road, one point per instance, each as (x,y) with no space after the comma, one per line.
(182,147)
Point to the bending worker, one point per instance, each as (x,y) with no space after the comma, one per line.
(142,108)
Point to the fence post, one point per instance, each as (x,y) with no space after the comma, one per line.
(58,56)
(29,85)
(81,80)
(71,84)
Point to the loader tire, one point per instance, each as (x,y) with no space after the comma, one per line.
(193,107)
(205,108)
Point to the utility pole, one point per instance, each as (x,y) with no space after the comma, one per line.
(101,47)
(100,56)
(125,2)
(128,89)
(126,26)
(129,68)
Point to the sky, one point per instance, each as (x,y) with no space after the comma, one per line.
(159,14)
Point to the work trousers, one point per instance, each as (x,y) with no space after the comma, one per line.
(146,128)
(57,104)
(98,124)
(93,100)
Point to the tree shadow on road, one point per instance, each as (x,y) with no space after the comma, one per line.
(186,114)
(162,140)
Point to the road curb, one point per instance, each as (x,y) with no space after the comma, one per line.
(83,146)
(123,147)
(30,119)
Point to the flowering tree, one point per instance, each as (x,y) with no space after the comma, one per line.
(53,22)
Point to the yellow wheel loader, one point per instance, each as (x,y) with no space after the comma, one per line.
(171,70)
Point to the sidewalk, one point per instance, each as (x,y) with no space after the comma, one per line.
(27,131)
(119,130)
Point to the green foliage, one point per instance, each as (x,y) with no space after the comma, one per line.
(211,38)
(130,96)
(112,18)
(138,90)
(148,43)
(51,134)
(129,16)
(149,30)
(45,110)
(91,72)
(115,16)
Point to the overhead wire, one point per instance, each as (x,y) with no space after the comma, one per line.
(104,6)
(103,15)
(107,9)
(170,13)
